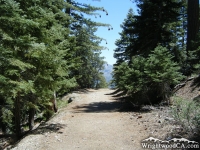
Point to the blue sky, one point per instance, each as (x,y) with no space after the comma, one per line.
(117,11)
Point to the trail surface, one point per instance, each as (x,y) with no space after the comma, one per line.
(91,122)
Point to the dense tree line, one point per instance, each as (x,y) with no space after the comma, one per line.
(45,47)
(157,49)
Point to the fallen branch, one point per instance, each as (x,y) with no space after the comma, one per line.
(178,86)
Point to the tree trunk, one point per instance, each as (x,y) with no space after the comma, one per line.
(17,117)
(184,22)
(193,23)
(68,10)
(52,108)
(31,118)
(2,105)
(55,102)
(2,124)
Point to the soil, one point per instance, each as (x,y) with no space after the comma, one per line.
(190,89)
(98,120)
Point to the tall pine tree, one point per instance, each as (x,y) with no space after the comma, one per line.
(125,45)
(154,24)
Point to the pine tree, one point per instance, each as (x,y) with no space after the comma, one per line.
(120,76)
(192,22)
(32,35)
(149,70)
(162,72)
(101,81)
(148,80)
(15,42)
(98,63)
(195,63)
(192,35)
(156,17)
(88,52)
(41,48)
(125,45)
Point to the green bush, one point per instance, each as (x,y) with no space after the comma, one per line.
(162,71)
(61,103)
(186,113)
(148,80)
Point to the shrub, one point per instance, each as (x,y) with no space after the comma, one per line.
(162,71)
(148,79)
(186,113)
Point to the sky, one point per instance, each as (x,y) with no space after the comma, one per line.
(117,12)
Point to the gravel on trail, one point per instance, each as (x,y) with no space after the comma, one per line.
(92,122)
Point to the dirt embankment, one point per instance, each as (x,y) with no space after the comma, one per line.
(95,120)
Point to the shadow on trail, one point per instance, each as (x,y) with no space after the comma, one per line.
(47,128)
(116,104)
(113,93)
(83,91)
(98,107)
(44,128)
(117,93)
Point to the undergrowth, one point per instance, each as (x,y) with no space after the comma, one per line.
(187,114)
(61,103)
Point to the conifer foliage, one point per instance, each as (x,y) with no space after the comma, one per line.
(128,37)
(151,51)
(41,53)
(148,80)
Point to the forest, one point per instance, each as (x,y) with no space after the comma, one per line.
(157,49)
(49,48)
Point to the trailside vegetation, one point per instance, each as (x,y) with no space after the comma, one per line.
(47,48)
(157,49)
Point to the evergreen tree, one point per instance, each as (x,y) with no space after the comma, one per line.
(98,63)
(15,44)
(40,52)
(125,45)
(156,17)
(148,80)
(31,67)
(88,52)
(195,63)
(192,23)
(192,35)
(120,76)
(143,69)
(101,81)
(162,72)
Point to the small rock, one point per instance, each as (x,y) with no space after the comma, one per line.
(139,117)
(168,119)
(134,114)
(159,121)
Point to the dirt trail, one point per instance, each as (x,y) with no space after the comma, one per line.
(90,122)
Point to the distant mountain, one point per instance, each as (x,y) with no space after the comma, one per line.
(108,72)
